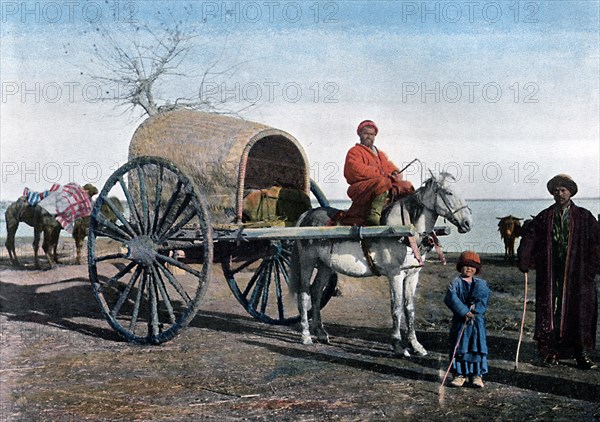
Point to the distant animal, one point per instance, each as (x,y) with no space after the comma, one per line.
(44,223)
(41,221)
(388,256)
(510,229)
(80,229)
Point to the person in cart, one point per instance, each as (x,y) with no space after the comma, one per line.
(372,177)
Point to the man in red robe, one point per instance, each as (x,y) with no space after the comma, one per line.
(562,243)
(371,176)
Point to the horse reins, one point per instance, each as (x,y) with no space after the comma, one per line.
(410,239)
(449,215)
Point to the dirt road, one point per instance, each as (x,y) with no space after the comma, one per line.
(62,362)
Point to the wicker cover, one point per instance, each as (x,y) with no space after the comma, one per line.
(224,156)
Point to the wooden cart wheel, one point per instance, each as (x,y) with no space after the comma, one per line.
(259,281)
(146,293)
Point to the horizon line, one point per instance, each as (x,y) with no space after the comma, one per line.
(502,199)
(466,199)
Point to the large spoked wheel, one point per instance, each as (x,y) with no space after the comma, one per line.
(259,275)
(146,293)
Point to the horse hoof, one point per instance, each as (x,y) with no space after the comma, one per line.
(418,350)
(404,353)
(401,351)
(307,340)
(323,339)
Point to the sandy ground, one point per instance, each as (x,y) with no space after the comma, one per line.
(61,361)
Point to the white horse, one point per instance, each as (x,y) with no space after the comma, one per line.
(391,257)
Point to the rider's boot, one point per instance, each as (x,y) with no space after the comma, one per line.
(374,214)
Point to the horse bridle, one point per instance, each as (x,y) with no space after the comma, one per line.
(449,215)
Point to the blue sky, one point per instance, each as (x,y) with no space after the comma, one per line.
(502,94)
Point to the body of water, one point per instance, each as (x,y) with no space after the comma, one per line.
(484,236)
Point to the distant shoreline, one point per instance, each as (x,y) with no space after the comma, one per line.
(534,199)
(466,199)
(501,199)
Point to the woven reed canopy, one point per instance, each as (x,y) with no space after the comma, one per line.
(223,156)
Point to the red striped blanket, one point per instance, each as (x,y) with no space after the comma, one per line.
(34,198)
(67,204)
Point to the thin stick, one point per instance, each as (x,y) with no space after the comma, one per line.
(462,330)
(522,322)
(409,164)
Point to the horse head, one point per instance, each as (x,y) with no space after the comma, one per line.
(439,198)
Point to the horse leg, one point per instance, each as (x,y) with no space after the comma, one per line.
(78,246)
(304,268)
(303,306)
(321,279)
(11,230)
(79,233)
(50,243)
(397,303)
(47,248)
(54,240)
(410,288)
(36,245)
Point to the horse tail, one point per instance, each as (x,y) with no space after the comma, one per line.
(301,220)
(9,221)
(12,215)
(295,275)
(313,217)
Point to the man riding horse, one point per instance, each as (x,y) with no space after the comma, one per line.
(372,178)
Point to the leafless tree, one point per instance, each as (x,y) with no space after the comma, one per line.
(140,66)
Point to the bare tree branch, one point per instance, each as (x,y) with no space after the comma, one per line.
(151,60)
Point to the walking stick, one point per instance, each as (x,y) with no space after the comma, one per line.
(522,323)
(462,330)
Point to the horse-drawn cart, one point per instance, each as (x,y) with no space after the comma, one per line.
(224,191)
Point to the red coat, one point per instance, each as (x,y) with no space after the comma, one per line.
(369,176)
(577,328)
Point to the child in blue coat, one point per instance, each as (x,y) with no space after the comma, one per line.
(467,297)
